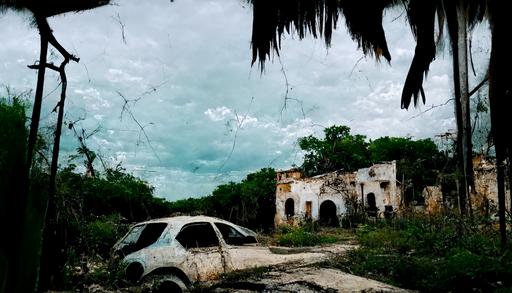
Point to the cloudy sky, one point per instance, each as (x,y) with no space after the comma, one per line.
(211,117)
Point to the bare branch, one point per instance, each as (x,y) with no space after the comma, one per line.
(355,65)
(117,19)
(481,84)
(288,89)
(142,131)
(239,124)
(431,108)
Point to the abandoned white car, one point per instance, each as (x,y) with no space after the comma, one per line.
(179,251)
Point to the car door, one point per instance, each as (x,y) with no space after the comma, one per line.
(241,251)
(204,253)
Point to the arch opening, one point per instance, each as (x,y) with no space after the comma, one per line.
(328,215)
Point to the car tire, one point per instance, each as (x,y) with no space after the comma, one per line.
(169,284)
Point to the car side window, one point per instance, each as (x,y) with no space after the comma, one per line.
(142,236)
(230,234)
(197,235)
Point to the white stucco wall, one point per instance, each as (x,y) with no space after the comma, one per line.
(317,190)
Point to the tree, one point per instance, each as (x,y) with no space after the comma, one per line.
(364,23)
(249,203)
(419,162)
(338,150)
(40,10)
(500,98)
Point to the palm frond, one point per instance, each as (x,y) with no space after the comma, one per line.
(51,7)
(318,18)
(421,15)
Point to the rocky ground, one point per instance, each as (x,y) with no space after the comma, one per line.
(300,278)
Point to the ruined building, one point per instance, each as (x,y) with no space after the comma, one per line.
(329,197)
(484,197)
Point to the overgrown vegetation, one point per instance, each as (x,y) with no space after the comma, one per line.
(431,254)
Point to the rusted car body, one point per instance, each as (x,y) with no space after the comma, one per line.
(195,249)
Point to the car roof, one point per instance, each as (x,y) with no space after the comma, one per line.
(180,221)
(184,220)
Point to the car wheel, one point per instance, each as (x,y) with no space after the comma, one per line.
(169,284)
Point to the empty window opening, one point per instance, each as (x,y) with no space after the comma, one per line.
(384,185)
(289,208)
(197,235)
(142,236)
(328,215)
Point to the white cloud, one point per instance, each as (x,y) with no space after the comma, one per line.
(218,114)
(115,75)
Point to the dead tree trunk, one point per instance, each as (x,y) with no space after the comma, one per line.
(51,256)
(467,147)
(457,26)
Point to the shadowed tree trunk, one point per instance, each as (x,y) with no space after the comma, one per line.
(51,256)
(456,17)
(13,282)
(16,267)
(500,97)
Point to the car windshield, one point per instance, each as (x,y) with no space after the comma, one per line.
(141,236)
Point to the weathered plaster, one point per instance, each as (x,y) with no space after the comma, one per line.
(338,187)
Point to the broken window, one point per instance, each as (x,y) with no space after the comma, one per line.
(289,208)
(197,235)
(142,236)
(232,236)
(384,185)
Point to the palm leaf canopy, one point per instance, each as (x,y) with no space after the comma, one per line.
(318,18)
(47,8)
(363,19)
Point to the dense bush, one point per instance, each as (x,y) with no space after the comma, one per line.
(443,254)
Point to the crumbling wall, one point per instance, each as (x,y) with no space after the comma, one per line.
(342,188)
(307,194)
(433,199)
(379,179)
(485,197)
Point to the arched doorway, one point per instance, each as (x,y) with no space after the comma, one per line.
(289,208)
(328,215)
(372,205)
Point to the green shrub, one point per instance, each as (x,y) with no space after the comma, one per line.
(300,237)
(102,233)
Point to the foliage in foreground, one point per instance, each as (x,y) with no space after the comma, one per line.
(443,254)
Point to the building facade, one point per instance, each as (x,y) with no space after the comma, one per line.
(330,197)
